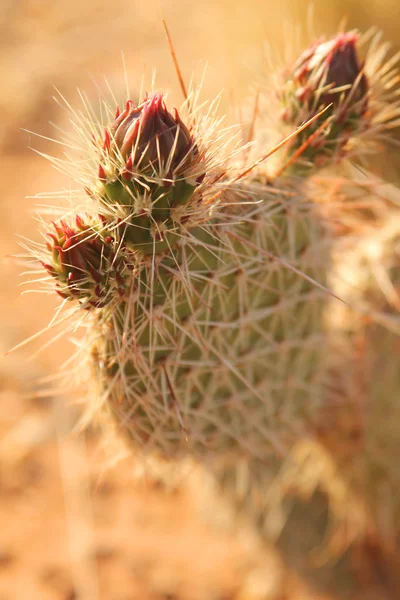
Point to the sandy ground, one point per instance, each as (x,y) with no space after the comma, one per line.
(69,529)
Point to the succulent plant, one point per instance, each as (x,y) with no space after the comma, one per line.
(206,289)
(205,281)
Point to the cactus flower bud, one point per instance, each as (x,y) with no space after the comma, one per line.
(327,73)
(149,164)
(330,66)
(150,139)
(84,264)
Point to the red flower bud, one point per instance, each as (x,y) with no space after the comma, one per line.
(150,163)
(150,139)
(333,64)
(327,75)
(83,263)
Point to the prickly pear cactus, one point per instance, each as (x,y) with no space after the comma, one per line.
(203,284)
(216,345)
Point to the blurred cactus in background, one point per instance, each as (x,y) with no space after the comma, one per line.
(360,98)
(209,329)
(366,273)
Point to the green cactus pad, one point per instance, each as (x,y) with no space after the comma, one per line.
(220,345)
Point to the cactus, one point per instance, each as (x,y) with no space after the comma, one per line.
(203,283)
(370,384)
(351,482)
(203,288)
(353,463)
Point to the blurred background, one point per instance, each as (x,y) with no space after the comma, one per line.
(70,528)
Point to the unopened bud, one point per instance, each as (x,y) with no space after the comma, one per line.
(330,73)
(329,76)
(150,163)
(83,263)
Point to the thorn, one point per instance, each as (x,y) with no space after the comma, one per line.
(175,402)
(175,61)
(107,140)
(304,146)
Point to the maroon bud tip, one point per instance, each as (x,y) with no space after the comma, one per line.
(127,172)
(200,178)
(68,231)
(59,230)
(66,246)
(49,268)
(53,237)
(148,137)
(107,140)
(96,276)
(79,222)
(102,173)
